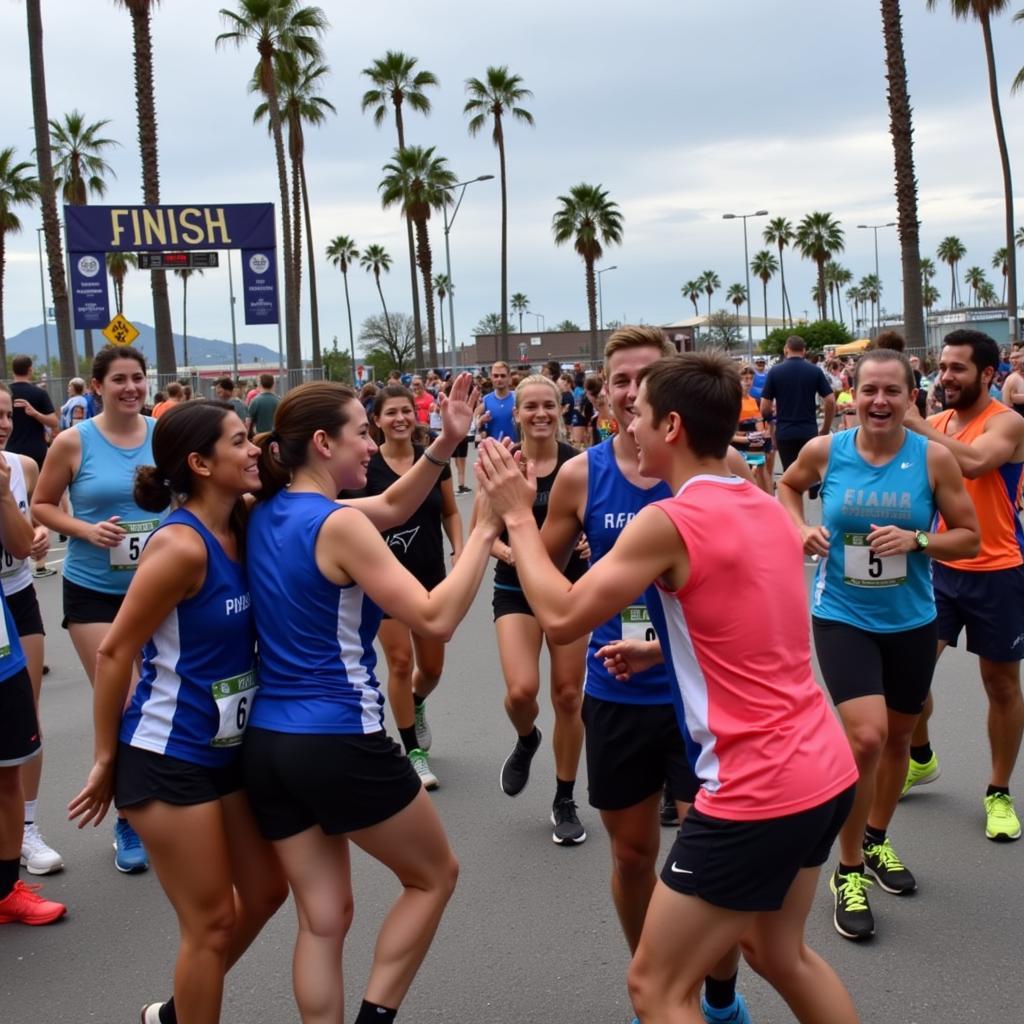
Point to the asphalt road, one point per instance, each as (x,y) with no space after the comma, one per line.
(530,935)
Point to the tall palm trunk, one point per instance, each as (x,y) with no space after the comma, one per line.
(416,323)
(782,278)
(3,336)
(440,317)
(348,309)
(383,304)
(764,287)
(822,302)
(146,106)
(499,138)
(48,194)
(901,128)
(184,321)
(314,310)
(592,307)
(425,261)
(297,236)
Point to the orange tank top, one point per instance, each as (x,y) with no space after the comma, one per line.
(995,496)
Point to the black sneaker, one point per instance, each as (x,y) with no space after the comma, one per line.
(568,831)
(515,772)
(889,871)
(669,813)
(852,917)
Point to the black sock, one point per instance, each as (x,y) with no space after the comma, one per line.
(847,869)
(371,1013)
(922,754)
(720,995)
(992,790)
(417,699)
(8,875)
(409,740)
(563,789)
(873,836)
(167,1013)
(531,741)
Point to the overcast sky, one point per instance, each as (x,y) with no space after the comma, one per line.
(682,109)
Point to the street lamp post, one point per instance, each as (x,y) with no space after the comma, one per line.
(875,228)
(234,338)
(746,267)
(463,185)
(42,295)
(541,324)
(600,304)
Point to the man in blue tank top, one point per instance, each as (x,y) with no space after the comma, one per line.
(495,410)
(633,740)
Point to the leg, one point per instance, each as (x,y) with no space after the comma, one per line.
(87,637)
(892,769)
(12,815)
(568,666)
(920,737)
(32,771)
(775,948)
(460,470)
(188,848)
(1005,716)
(396,640)
(519,639)
(864,719)
(429,665)
(413,845)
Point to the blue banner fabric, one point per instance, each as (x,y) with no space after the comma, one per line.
(259,286)
(89,290)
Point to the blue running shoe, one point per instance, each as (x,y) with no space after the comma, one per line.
(130,856)
(735,1014)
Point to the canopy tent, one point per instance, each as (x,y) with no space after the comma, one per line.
(852,347)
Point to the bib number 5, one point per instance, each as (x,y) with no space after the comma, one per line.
(864,568)
(124,556)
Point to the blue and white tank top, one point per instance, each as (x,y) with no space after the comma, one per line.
(196,690)
(853,585)
(15,573)
(316,667)
(12,658)
(612,501)
(103,487)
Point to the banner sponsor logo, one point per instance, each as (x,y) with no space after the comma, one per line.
(259,286)
(89,290)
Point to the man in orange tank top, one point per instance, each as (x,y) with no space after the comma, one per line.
(984,594)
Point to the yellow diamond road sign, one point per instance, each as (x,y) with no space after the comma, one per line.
(120,331)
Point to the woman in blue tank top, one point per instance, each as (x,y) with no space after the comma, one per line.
(320,770)
(170,761)
(872,604)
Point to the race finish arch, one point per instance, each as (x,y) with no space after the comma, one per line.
(93,231)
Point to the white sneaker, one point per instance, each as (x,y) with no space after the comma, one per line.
(424,737)
(151,1013)
(36,857)
(421,765)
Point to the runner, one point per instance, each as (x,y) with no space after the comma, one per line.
(633,744)
(170,761)
(537,418)
(985,594)
(495,413)
(776,771)
(96,462)
(320,575)
(752,438)
(872,606)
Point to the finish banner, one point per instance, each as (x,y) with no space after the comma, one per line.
(169,228)
(89,290)
(259,286)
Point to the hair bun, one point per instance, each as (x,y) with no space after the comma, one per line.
(151,492)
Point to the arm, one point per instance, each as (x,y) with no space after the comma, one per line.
(828,407)
(998,444)
(16,533)
(451,520)
(738,465)
(1013,390)
(40,534)
(172,568)
(565,511)
(808,470)
(47,419)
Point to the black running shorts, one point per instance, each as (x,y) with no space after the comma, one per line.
(19,727)
(24,605)
(509,601)
(143,775)
(990,605)
(85,605)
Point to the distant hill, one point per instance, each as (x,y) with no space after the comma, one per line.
(201,351)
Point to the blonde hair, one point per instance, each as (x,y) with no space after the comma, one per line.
(539,378)
(637,336)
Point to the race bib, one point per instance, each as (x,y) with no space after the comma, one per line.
(866,569)
(636,623)
(8,564)
(125,556)
(233,698)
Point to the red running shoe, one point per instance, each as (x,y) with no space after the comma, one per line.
(24,904)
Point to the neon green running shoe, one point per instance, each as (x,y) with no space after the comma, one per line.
(1001,822)
(887,868)
(921,774)
(852,916)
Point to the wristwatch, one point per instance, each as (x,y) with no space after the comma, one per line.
(921,540)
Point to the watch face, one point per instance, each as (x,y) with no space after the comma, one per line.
(922,540)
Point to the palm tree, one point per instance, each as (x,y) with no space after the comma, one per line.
(854,297)
(418,181)
(842,277)
(951,250)
(1019,238)
(145,104)
(300,104)
(442,286)
(342,253)
(374,260)
(1001,263)
(396,82)
(520,304)
(985,293)
(692,290)
(871,289)
(927,269)
(499,94)
(780,232)
(764,265)
(737,295)
(819,238)
(17,188)
(973,277)
(47,191)
(710,283)
(80,168)
(588,218)
(982,11)
(118,264)
(929,296)
(835,278)
(277,26)
(185,273)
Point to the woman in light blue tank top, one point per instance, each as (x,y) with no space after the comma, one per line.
(872,604)
(319,767)
(171,760)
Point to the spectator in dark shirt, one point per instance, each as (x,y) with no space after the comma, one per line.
(33,412)
(224,389)
(263,406)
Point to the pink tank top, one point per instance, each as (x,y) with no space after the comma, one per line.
(762,734)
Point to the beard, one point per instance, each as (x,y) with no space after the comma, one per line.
(969,394)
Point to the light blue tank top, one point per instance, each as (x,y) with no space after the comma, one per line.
(197,684)
(502,423)
(316,663)
(852,585)
(102,488)
(612,501)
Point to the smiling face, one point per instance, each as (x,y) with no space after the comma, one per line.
(6,417)
(234,463)
(623,369)
(123,389)
(961,380)
(536,411)
(881,397)
(652,453)
(352,447)
(397,419)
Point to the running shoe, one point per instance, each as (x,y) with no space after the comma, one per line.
(735,1014)
(921,774)
(1001,822)
(42,571)
(421,765)
(889,871)
(424,737)
(36,857)
(464,490)
(24,904)
(515,772)
(568,829)
(669,813)
(130,856)
(852,916)
(151,1013)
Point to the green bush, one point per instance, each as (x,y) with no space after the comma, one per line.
(818,335)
